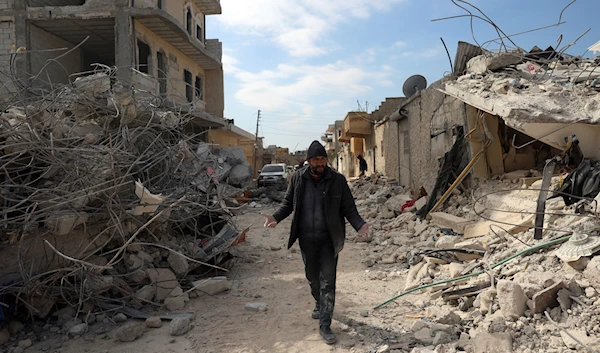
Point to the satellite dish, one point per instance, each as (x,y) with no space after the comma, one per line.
(414,84)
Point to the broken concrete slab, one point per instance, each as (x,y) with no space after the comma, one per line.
(546,298)
(446,220)
(493,61)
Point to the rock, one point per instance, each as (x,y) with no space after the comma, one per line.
(78,330)
(129,332)
(448,317)
(120,317)
(153,322)
(493,343)
(145,293)
(424,336)
(178,263)
(442,337)
(418,325)
(590,292)
(512,299)
(179,326)
(175,303)
(456,269)
(258,306)
(364,313)
(4,337)
(137,276)
(211,286)
(15,327)
(134,262)
(18,350)
(163,281)
(24,344)
(42,305)
(240,174)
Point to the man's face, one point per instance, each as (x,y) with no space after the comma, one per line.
(317,165)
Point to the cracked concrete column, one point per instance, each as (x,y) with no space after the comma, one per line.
(22,39)
(123,41)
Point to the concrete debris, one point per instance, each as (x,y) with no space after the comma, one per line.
(492,61)
(511,298)
(179,326)
(258,306)
(129,332)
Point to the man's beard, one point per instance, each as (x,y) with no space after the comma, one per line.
(319,170)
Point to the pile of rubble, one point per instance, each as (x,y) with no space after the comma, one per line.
(109,204)
(549,86)
(484,283)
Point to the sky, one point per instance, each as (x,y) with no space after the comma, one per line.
(306,63)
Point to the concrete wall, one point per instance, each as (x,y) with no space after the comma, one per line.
(53,72)
(6,4)
(177,63)
(225,138)
(214,92)
(177,9)
(7,38)
(404,151)
(434,113)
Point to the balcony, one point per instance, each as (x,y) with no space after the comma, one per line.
(357,124)
(327,137)
(209,7)
(170,30)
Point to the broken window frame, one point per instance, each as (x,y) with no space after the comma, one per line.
(189,91)
(189,19)
(144,61)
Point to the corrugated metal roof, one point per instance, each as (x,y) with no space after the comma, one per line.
(464,53)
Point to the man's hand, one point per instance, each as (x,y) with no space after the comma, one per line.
(363,232)
(270,221)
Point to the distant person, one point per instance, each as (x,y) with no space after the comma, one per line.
(320,199)
(301,164)
(362,166)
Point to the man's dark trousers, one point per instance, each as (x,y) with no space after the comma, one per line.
(320,265)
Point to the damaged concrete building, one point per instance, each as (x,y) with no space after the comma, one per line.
(515,111)
(159,46)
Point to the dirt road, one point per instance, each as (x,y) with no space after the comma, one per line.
(265,271)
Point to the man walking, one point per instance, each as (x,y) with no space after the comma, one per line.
(320,199)
(362,166)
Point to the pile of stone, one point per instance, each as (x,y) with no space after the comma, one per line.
(109,198)
(533,302)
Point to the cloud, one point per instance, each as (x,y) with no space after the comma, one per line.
(423,53)
(303,88)
(300,27)
(400,44)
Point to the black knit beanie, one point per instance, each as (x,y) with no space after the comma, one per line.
(316,149)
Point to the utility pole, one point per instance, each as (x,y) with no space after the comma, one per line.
(256,143)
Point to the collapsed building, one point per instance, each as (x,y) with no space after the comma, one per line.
(117,190)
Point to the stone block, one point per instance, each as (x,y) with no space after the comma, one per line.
(211,286)
(512,299)
(446,220)
(258,306)
(492,61)
(163,280)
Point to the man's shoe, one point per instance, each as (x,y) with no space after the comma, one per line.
(327,334)
(316,313)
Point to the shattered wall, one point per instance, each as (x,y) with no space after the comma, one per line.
(403,151)
(55,73)
(432,122)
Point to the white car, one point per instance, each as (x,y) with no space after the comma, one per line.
(273,174)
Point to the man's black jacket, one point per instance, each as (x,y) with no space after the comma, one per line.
(339,203)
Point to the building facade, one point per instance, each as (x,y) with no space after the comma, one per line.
(159,46)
